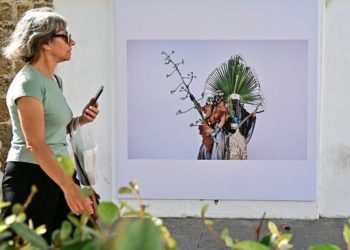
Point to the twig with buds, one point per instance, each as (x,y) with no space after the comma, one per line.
(184,85)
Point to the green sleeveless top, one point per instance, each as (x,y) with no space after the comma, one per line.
(57,113)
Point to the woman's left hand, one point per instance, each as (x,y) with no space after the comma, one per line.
(89,114)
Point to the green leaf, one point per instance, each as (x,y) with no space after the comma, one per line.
(107,212)
(84,218)
(208,222)
(77,233)
(273,228)
(234,76)
(86,192)
(204,209)
(131,213)
(55,237)
(5,235)
(6,246)
(17,208)
(267,240)
(89,244)
(134,185)
(157,221)
(10,219)
(34,189)
(250,245)
(5,204)
(283,239)
(4,227)
(29,235)
(224,233)
(41,229)
(74,220)
(324,247)
(346,234)
(30,224)
(90,232)
(66,230)
(141,234)
(125,190)
(167,239)
(21,217)
(171,244)
(67,164)
(123,203)
(229,241)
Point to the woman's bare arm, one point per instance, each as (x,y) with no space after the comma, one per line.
(31,114)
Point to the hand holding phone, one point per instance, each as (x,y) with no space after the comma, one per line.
(95,98)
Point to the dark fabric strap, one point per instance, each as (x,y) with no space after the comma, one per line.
(58,80)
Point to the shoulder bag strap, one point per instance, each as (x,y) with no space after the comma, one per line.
(58,80)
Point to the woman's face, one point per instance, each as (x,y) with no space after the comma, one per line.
(61,46)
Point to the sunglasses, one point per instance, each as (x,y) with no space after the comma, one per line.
(67,37)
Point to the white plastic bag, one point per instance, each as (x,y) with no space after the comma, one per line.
(84,150)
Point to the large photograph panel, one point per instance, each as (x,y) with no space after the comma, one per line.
(277,39)
(156,132)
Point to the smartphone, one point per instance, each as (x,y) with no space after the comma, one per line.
(95,98)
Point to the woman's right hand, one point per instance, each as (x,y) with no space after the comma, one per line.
(77,203)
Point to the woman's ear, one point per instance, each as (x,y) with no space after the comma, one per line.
(47,45)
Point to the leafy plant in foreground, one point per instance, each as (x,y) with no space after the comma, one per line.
(276,239)
(119,227)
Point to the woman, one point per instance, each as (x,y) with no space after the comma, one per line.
(40,117)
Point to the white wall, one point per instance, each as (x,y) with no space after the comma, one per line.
(335,135)
(93,63)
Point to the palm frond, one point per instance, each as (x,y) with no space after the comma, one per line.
(235,77)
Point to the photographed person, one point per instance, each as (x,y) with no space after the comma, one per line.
(225,134)
(238,128)
(229,126)
(40,116)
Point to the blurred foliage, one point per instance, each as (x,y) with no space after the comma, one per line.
(119,226)
(276,239)
(122,227)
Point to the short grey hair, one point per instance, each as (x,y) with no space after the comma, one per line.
(35,28)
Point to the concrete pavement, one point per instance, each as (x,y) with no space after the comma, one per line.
(190,233)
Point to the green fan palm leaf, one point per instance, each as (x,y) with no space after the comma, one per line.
(235,77)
